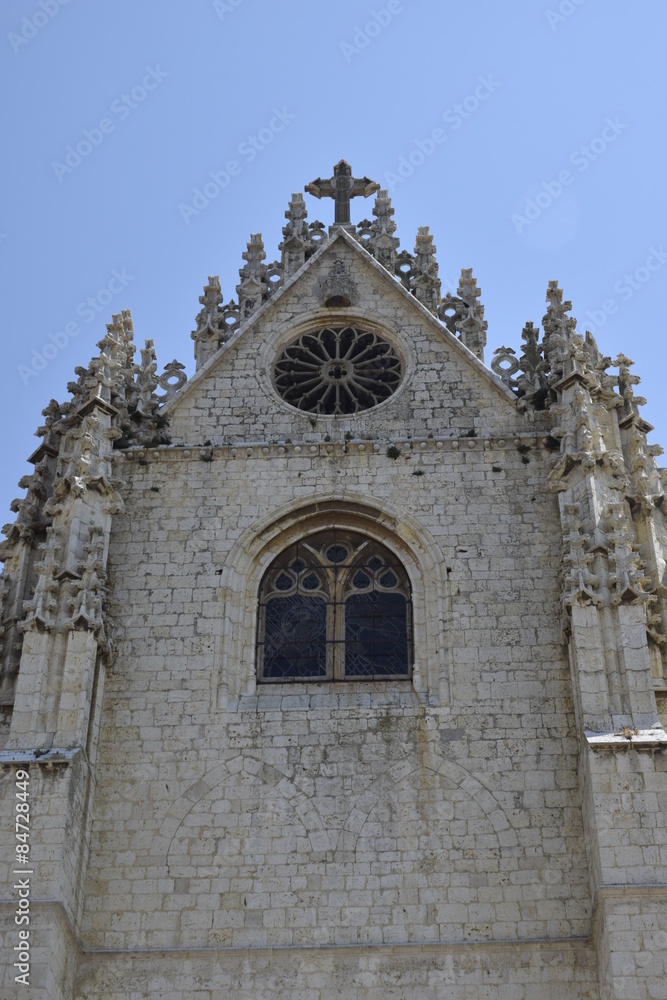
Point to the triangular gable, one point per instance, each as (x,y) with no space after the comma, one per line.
(328,247)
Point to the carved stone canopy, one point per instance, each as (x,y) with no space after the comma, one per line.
(338,289)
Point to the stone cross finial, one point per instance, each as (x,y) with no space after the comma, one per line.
(341,187)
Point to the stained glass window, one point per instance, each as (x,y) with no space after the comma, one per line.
(334,606)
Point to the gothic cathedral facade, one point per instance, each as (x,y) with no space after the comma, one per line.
(338,668)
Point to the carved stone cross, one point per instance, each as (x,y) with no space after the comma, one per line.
(341,187)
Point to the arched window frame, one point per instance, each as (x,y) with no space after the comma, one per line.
(305,629)
(244,563)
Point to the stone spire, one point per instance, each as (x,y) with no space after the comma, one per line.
(426,283)
(605,477)
(295,236)
(558,331)
(463,316)
(144,398)
(531,363)
(253,281)
(382,243)
(18,551)
(210,332)
(473,326)
(646,487)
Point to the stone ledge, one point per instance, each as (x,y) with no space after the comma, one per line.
(623,890)
(9,758)
(640,739)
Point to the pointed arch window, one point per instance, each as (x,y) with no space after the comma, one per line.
(334,606)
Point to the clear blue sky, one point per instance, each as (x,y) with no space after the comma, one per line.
(558,103)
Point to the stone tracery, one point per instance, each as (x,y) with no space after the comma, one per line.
(337,371)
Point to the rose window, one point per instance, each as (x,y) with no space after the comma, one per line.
(337,371)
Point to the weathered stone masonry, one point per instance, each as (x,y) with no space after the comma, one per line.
(492,825)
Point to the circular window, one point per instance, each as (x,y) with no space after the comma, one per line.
(337,371)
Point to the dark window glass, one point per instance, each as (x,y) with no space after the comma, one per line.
(337,553)
(334,606)
(376,635)
(295,637)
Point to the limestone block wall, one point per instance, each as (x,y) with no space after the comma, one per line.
(527,972)
(235,815)
(59,795)
(632,929)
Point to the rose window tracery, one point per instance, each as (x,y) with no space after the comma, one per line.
(337,371)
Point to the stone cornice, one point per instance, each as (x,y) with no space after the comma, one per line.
(249,449)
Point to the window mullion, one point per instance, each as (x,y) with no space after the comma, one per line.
(339,623)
